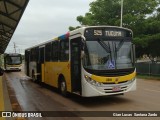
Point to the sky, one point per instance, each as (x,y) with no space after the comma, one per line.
(44,20)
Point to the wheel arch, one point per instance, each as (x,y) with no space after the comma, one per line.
(60,78)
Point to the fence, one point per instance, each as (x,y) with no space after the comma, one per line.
(148,68)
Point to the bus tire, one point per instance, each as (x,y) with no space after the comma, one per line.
(63,87)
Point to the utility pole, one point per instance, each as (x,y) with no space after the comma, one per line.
(14,47)
(121,13)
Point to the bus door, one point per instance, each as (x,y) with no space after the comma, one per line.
(76,65)
(41,63)
(27,61)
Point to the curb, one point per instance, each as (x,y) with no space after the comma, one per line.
(6,103)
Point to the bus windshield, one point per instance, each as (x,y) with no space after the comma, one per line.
(108,54)
(11,60)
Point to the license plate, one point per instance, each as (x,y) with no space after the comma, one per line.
(116,88)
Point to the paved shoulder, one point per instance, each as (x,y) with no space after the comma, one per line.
(5,104)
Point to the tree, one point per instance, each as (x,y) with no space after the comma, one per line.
(101,13)
(73,28)
(142,16)
(107,12)
(149,39)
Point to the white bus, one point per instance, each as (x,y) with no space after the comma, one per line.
(12,61)
(89,61)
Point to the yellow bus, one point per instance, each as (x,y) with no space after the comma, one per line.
(89,61)
(12,61)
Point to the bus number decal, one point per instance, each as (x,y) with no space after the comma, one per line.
(97,32)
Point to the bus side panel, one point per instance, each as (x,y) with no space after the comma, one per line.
(46,73)
(27,60)
(42,72)
(50,74)
(54,69)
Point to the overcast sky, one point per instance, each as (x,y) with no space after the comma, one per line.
(46,19)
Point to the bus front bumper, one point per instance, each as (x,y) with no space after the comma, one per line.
(90,90)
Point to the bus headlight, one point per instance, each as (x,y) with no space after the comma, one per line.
(92,82)
(133,79)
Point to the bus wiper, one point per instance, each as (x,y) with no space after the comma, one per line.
(119,45)
(104,45)
(106,48)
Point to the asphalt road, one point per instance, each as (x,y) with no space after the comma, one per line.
(29,96)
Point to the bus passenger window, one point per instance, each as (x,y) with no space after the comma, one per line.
(55,50)
(33,55)
(64,50)
(48,48)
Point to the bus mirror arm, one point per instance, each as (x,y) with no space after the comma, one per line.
(83,38)
(82,46)
(134,52)
(82,54)
(83,42)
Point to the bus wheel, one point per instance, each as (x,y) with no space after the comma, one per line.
(63,87)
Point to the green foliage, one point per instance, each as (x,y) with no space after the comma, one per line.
(148,38)
(107,12)
(142,16)
(73,28)
(101,13)
(147,44)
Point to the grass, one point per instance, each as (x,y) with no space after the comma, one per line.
(151,77)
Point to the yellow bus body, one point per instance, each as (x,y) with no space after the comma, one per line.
(53,70)
(116,80)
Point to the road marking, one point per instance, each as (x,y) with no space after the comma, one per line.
(152,90)
(1,97)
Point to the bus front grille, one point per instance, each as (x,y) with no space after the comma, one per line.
(110,90)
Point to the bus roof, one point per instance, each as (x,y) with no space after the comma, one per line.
(76,31)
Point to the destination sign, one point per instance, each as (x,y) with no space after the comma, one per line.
(107,32)
(114,33)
